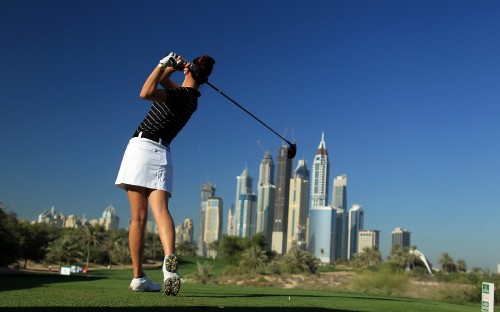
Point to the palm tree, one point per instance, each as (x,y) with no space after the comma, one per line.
(253,258)
(89,236)
(122,250)
(109,245)
(411,256)
(397,256)
(461,265)
(447,263)
(297,259)
(62,249)
(373,255)
(370,256)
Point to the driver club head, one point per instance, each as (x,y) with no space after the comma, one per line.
(292,150)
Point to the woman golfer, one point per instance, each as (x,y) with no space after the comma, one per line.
(146,171)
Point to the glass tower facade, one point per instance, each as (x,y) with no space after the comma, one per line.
(266,194)
(321,232)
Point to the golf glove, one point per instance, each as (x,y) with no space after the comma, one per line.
(168,61)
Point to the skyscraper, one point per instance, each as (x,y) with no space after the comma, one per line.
(321,233)
(247,215)
(231,225)
(298,207)
(213,224)
(355,224)
(340,205)
(109,219)
(400,237)
(265,197)
(245,211)
(280,221)
(207,191)
(184,232)
(243,185)
(319,177)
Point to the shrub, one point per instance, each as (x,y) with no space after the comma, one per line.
(459,293)
(385,281)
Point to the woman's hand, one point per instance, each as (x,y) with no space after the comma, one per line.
(172,60)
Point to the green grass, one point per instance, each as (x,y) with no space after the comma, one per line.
(106,290)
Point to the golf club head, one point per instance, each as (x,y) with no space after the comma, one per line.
(292,150)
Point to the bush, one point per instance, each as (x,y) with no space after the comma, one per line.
(459,293)
(385,281)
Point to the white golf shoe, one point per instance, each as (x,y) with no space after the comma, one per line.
(143,284)
(171,280)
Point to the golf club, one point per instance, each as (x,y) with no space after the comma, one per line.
(292,148)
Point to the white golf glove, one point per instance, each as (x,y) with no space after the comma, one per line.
(168,61)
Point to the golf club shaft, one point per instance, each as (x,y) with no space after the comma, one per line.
(246,111)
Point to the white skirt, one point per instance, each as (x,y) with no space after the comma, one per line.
(148,164)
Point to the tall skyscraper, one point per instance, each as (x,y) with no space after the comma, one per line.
(213,224)
(319,177)
(355,224)
(207,191)
(247,215)
(400,237)
(321,233)
(243,185)
(265,197)
(298,207)
(231,225)
(280,221)
(245,211)
(368,239)
(340,205)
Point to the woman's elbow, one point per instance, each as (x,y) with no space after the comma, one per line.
(145,95)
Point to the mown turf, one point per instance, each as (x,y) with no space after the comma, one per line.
(106,290)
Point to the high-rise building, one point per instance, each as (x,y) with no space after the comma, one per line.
(355,224)
(207,191)
(52,218)
(231,225)
(72,221)
(321,233)
(298,205)
(184,232)
(280,220)
(400,237)
(319,176)
(340,191)
(243,184)
(265,197)
(247,215)
(368,239)
(213,224)
(109,219)
(340,205)
(245,212)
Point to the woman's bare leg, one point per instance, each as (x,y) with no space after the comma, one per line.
(158,201)
(139,216)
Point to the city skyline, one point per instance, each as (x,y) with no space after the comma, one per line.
(405,93)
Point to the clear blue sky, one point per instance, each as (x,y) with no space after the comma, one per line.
(407,93)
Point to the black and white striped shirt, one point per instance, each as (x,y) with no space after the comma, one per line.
(166,119)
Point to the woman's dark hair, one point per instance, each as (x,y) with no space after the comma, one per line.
(201,67)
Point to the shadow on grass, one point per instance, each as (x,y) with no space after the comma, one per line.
(183,309)
(31,280)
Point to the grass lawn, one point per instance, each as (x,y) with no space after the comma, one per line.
(105,290)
